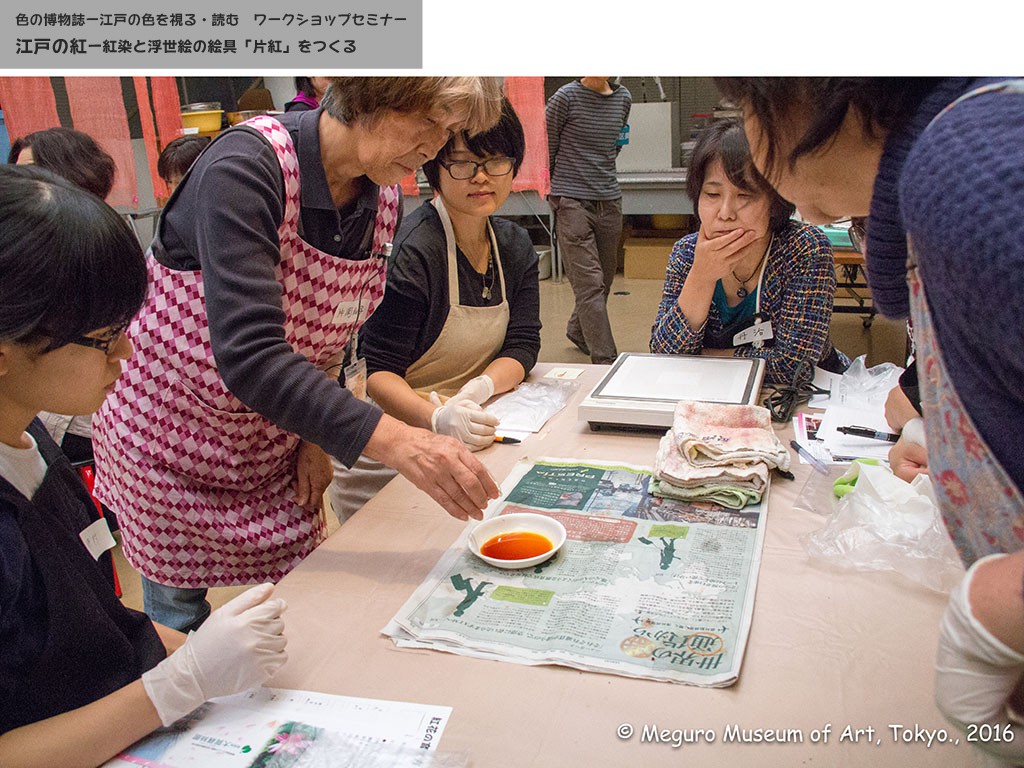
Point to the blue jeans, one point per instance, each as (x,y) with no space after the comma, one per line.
(179,608)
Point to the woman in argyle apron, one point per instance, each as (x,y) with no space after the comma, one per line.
(200,450)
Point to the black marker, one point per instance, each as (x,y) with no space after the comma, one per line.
(871,434)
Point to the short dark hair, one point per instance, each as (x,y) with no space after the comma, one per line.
(179,155)
(72,154)
(71,264)
(304,85)
(885,104)
(725,140)
(506,138)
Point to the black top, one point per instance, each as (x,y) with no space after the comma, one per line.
(416,303)
(65,638)
(296,105)
(223,219)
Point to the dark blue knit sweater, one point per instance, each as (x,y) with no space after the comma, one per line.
(961,196)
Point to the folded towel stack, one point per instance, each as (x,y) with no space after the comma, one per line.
(718,452)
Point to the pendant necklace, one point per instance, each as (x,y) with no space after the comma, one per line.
(487,278)
(742,291)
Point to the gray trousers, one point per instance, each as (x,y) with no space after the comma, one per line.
(589,233)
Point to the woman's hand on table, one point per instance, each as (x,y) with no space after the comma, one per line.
(980,663)
(463,419)
(478,390)
(240,646)
(438,465)
(313,474)
(898,409)
(908,460)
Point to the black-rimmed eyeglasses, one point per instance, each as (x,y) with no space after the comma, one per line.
(104,342)
(461,170)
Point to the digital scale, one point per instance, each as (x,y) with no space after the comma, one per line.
(640,391)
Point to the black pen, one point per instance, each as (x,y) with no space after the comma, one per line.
(507,440)
(871,434)
(813,460)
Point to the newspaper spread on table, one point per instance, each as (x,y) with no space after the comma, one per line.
(644,586)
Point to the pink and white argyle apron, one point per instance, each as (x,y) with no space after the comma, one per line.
(982,507)
(202,485)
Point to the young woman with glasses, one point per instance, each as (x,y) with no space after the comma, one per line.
(460,321)
(82,676)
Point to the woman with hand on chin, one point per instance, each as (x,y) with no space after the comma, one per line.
(751,282)
(460,321)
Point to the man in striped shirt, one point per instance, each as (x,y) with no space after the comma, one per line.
(585,119)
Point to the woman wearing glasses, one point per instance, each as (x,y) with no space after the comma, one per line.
(82,676)
(213,450)
(460,321)
(751,282)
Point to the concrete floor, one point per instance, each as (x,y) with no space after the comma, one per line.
(632,307)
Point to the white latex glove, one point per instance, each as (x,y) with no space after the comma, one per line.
(975,673)
(913,432)
(478,390)
(465,420)
(237,648)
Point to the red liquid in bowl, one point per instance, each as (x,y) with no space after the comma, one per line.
(516,545)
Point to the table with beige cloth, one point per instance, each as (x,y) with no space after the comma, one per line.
(831,654)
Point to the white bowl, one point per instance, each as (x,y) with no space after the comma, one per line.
(546,526)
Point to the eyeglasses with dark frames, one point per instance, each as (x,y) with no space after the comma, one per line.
(462,170)
(104,342)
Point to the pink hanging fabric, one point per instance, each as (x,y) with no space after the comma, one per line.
(149,136)
(409,185)
(97,108)
(166,109)
(527,97)
(28,104)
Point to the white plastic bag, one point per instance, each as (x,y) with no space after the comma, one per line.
(886,524)
(863,385)
(531,404)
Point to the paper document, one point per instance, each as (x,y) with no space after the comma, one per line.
(845,446)
(268,727)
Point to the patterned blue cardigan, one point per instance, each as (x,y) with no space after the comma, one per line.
(798,291)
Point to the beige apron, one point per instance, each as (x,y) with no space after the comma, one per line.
(471,336)
(469,340)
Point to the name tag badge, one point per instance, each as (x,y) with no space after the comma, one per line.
(355,378)
(347,313)
(97,538)
(757,334)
